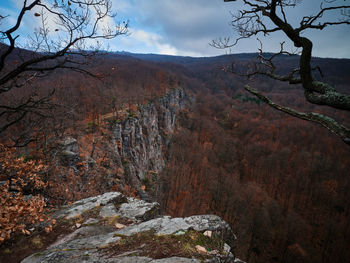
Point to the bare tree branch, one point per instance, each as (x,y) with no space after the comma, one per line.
(79,24)
(325,121)
(250,22)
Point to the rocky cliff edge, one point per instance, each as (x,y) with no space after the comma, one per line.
(115,228)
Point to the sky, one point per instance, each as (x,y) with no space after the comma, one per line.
(186,27)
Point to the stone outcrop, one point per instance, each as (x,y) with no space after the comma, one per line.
(79,207)
(131,208)
(114,228)
(166,225)
(138,210)
(141,139)
(137,142)
(68,151)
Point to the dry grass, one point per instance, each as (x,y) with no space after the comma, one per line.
(151,245)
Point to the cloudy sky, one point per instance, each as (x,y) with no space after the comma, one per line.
(186,27)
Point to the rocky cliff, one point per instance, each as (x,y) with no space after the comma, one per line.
(114,228)
(135,144)
(140,140)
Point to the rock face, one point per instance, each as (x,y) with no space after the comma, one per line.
(87,204)
(140,141)
(137,143)
(130,208)
(97,239)
(68,151)
(138,210)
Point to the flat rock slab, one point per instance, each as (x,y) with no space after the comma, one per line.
(76,250)
(150,260)
(74,257)
(167,225)
(87,204)
(108,211)
(83,232)
(175,260)
(94,256)
(139,210)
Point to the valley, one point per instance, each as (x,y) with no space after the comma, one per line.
(183,132)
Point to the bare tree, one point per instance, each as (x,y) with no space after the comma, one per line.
(264,17)
(66,37)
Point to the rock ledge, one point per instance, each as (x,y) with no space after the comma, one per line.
(114,228)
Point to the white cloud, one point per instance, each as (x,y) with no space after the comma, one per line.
(189,25)
(185,27)
(147,42)
(152,39)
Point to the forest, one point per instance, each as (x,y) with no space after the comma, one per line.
(284,191)
(282,188)
(187,132)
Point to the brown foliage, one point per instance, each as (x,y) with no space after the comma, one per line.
(263,173)
(19,210)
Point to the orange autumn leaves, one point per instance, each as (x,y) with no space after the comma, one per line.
(18,210)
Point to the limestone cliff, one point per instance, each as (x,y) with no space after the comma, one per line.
(140,140)
(135,144)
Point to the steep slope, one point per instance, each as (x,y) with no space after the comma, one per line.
(123,150)
(141,141)
(281,183)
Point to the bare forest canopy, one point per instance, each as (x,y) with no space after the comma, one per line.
(282,183)
(126,77)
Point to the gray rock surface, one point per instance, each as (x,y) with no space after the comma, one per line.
(82,232)
(91,221)
(87,257)
(139,210)
(175,260)
(166,225)
(68,151)
(108,211)
(143,138)
(137,143)
(75,250)
(81,206)
(88,242)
